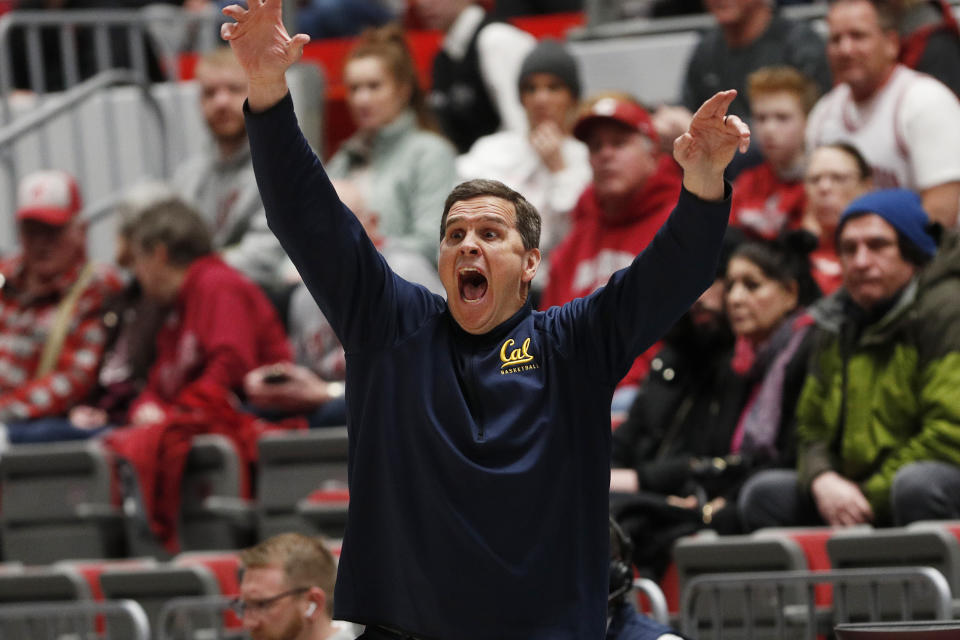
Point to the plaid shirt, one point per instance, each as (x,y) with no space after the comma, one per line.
(26,318)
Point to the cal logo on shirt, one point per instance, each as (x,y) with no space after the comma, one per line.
(515,358)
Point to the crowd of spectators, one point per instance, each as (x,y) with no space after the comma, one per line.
(813,383)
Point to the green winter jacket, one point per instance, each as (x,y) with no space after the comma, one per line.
(900,393)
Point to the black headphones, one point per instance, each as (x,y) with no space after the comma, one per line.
(621,573)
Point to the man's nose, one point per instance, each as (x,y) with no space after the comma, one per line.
(469,245)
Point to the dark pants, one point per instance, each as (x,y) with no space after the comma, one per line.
(921,491)
(48,430)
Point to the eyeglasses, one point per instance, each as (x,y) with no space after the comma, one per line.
(242,607)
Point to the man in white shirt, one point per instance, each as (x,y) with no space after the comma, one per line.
(475,72)
(906,124)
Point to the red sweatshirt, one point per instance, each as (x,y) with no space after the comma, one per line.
(764,204)
(221,327)
(597,245)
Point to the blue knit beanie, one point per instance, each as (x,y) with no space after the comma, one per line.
(902,209)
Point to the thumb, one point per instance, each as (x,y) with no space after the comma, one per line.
(297,43)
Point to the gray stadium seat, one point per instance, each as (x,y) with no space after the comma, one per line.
(57,503)
(896,547)
(710,554)
(152,587)
(214,514)
(325,512)
(39,585)
(291,466)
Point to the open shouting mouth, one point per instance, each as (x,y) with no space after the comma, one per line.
(472,284)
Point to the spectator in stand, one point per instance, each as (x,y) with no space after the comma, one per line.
(219,325)
(633,190)
(52,299)
(341,18)
(930,40)
(475,72)
(219,182)
(769,198)
(878,421)
(836,175)
(395,157)
(131,322)
(906,124)
(703,421)
(749,35)
(545,163)
(84,59)
(314,386)
(286,592)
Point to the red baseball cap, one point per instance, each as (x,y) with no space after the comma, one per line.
(625,112)
(51,197)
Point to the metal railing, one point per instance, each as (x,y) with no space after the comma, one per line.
(66,103)
(116,620)
(654,595)
(194,617)
(784,604)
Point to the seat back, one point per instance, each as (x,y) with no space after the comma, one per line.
(292,465)
(57,503)
(896,547)
(39,585)
(699,555)
(213,471)
(152,587)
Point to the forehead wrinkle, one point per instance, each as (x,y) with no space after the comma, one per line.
(485,217)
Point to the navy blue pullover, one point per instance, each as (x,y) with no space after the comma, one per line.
(479,464)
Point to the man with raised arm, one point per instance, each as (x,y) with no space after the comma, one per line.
(479,428)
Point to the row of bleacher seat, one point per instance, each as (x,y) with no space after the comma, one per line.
(60,501)
(777,576)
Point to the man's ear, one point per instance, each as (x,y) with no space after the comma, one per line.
(531,262)
(317,600)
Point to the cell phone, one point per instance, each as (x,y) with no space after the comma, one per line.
(276,377)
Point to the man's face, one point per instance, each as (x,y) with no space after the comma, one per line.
(223,88)
(860,52)
(831,183)
(873,268)
(707,312)
(282,619)
(440,14)
(732,12)
(50,250)
(483,266)
(546,98)
(622,159)
(779,122)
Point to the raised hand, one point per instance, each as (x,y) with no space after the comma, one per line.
(709,144)
(263,48)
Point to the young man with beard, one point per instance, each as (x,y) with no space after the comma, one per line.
(286,592)
(479,449)
(219,182)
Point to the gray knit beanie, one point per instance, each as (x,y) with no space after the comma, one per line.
(550,56)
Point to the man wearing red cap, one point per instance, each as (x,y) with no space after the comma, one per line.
(634,189)
(51,298)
